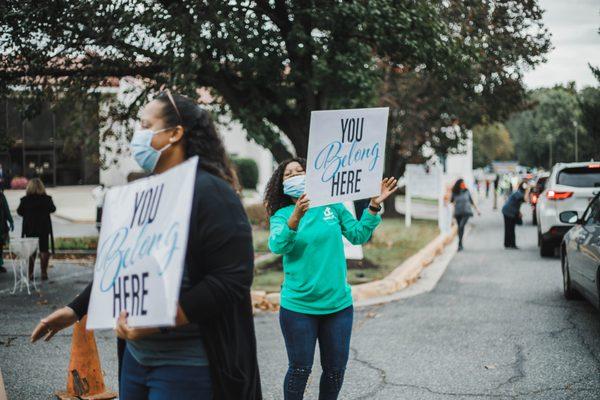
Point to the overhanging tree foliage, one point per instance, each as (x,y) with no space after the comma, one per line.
(267,62)
(502,39)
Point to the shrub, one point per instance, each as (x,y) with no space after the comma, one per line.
(247,171)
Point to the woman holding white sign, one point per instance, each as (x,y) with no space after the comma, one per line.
(211,352)
(316,300)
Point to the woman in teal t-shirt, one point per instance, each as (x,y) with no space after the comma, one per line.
(316,300)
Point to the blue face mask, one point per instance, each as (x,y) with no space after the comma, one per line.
(141,148)
(294,186)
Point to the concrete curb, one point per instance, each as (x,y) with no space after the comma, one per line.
(403,276)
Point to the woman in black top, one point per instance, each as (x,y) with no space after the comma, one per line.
(35,208)
(219,259)
(6,225)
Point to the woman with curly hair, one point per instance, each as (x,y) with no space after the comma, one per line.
(316,300)
(211,352)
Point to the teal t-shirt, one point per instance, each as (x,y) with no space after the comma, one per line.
(314,263)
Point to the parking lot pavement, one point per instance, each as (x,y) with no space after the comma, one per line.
(495,327)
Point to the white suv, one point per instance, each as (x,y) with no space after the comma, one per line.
(570,187)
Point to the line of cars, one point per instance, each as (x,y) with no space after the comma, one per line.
(567,212)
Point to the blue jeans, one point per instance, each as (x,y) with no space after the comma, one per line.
(162,383)
(300,332)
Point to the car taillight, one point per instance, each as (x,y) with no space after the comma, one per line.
(552,195)
(534,198)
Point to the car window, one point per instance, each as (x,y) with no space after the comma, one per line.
(592,214)
(579,177)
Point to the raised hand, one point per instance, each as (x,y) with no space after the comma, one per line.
(388,187)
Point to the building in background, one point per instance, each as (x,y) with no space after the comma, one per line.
(39,147)
(45,147)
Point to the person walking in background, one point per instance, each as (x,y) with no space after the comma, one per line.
(316,301)
(35,208)
(463,201)
(6,225)
(211,352)
(98,193)
(496,186)
(512,214)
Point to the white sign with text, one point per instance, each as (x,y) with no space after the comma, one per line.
(346,153)
(142,249)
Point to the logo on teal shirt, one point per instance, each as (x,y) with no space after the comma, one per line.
(329,215)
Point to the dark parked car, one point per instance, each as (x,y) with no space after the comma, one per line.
(580,253)
(536,191)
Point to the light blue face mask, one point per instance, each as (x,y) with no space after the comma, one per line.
(294,186)
(141,148)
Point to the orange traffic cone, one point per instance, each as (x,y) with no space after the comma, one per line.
(2,390)
(85,379)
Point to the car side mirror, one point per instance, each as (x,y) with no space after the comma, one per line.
(569,217)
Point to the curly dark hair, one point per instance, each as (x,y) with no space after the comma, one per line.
(456,189)
(200,135)
(274,196)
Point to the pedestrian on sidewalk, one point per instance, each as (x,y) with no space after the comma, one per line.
(99,193)
(316,301)
(35,208)
(211,352)
(512,214)
(6,226)
(463,201)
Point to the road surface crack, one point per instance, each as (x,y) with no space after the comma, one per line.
(518,367)
(584,342)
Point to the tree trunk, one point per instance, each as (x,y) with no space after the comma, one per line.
(280,152)
(390,208)
(394,167)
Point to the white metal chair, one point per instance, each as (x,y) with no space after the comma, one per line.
(22,249)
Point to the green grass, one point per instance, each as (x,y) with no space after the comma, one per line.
(78,243)
(392,244)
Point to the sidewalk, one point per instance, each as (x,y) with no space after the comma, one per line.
(73,203)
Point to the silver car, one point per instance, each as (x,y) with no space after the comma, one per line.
(580,253)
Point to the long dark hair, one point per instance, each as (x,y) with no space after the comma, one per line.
(200,135)
(456,189)
(274,196)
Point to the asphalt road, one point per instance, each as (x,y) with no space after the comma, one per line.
(495,326)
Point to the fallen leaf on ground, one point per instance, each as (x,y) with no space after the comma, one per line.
(490,366)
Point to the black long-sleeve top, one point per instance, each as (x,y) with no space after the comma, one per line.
(220,257)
